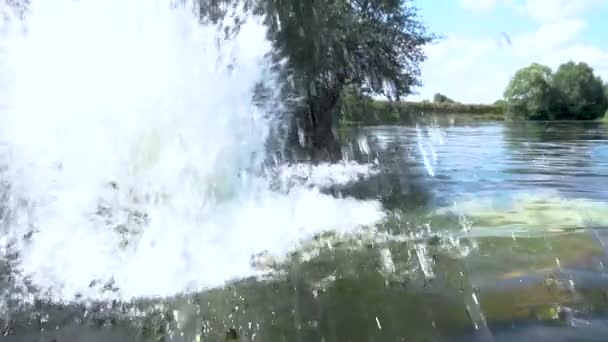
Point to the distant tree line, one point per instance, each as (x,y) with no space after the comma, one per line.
(573,92)
(365,110)
(440,98)
(535,92)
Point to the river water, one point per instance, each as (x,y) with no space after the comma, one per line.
(144,198)
(494,232)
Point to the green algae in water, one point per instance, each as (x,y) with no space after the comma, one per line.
(531,211)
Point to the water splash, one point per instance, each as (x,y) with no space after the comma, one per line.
(423,152)
(324,174)
(135,153)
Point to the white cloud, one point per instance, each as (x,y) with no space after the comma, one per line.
(478,5)
(463,69)
(482,6)
(555,10)
(478,70)
(546,11)
(594,56)
(459,54)
(547,37)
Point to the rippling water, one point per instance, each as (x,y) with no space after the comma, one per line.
(571,158)
(494,232)
(156,212)
(529,205)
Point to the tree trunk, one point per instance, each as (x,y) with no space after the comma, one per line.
(324,145)
(312,135)
(322,116)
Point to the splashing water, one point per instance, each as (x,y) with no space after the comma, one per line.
(134,152)
(425,159)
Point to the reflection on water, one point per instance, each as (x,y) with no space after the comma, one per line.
(571,158)
(505,239)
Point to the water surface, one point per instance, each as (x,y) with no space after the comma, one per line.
(494,232)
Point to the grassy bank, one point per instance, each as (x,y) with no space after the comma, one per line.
(370,112)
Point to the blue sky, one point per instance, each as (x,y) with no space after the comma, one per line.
(473,63)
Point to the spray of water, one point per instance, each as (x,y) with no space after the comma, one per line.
(134,154)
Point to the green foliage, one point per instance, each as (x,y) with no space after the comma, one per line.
(375,44)
(579,93)
(500,102)
(440,98)
(606,97)
(573,92)
(529,92)
(365,111)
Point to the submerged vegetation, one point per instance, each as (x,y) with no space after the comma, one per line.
(394,280)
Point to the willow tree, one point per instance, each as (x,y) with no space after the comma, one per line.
(13,9)
(370,46)
(374,46)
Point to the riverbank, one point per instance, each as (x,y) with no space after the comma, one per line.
(373,112)
(363,112)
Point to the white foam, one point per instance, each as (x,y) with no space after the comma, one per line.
(326,174)
(141,95)
(176,253)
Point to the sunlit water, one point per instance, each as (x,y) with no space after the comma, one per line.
(455,259)
(141,202)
